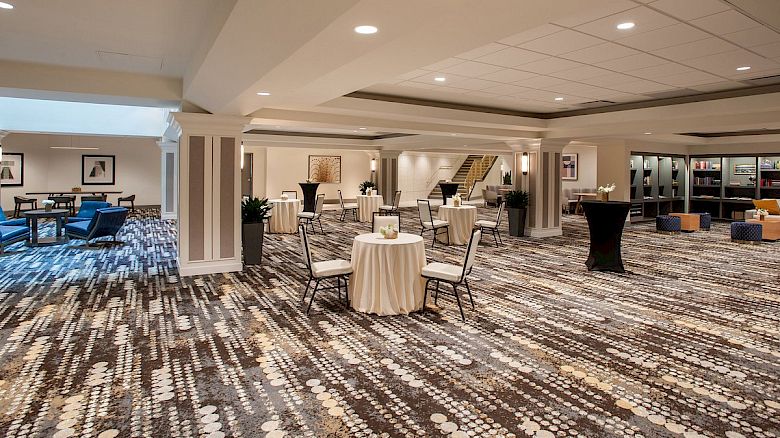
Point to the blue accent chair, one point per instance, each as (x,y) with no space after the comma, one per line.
(10,234)
(87,210)
(5,222)
(106,222)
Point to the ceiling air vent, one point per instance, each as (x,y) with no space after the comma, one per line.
(595,103)
(766,80)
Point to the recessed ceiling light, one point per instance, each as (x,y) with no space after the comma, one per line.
(743,68)
(558,98)
(366,30)
(263,93)
(4,5)
(625,26)
(362,129)
(648,133)
(439,79)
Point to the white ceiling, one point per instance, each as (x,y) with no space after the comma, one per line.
(141,36)
(678,47)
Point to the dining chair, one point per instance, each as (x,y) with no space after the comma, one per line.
(394,206)
(67,202)
(130,199)
(492,226)
(455,275)
(379,220)
(100,198)
(324,270)
(291,194)
(429,223)
(309,217)
(346,208)
(489,197)
(21,200)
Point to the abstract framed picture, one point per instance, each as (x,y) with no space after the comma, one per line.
(325,168)
(12,169)
(569,167)
(98,169)
(744,169)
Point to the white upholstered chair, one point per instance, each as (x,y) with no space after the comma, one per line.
(309,217)
(492,226)
(324,270)
(379,221)
(345,208)
(428,223)
(453,274)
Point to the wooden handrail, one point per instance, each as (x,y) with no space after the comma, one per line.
(477,172)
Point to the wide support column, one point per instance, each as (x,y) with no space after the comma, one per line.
(169,202)
(388,174)
(2,135)
(543,183)
(612,157)
(209,213)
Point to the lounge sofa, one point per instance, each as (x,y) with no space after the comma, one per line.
(87,210)
(750,214)
(5,222)
(105,223)
(10,234)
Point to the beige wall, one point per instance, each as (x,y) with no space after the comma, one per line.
(586,167)
(418,173)
(137,165)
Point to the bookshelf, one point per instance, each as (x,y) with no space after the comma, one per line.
(658,185)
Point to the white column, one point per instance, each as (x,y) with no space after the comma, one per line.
(169,197)
(209,182)
(2,136)
(543,184)
(612,167)
(388,174)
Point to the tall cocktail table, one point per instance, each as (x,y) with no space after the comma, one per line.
(59,215)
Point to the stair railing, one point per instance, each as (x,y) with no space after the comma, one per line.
(477,172)
(434,176)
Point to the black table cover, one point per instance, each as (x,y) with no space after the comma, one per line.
(448,190)
(309,195)
(605,222)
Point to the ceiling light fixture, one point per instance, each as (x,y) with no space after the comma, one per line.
(559,99)
(4,5)
(743,68)
(625,26)
(648,133)
(366,30)
(263,93)
(362,129)
(439,79)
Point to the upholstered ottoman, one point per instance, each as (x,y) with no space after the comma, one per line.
(668,224)
(705,221)
(746,232)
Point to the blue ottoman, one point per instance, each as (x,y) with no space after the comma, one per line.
(705,221)
(667,224)
(746,232)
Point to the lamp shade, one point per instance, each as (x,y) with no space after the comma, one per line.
(524,163)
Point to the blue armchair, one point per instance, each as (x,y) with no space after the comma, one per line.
(11,234)
(87,210)
(5,222)
(106,222)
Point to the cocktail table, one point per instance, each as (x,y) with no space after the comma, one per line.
(59,214)
(770,228)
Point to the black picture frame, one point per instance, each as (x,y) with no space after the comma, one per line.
(21,169)
(90,180)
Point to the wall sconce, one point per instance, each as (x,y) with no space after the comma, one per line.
(1,152)
(242,155)
(524,163)
(373,164)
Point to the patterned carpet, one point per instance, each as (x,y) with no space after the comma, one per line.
(110,342)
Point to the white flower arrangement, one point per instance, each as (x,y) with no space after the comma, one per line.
(388,232)
(609,188)
(762,212)
(46,202)
(285,196)
(456,200)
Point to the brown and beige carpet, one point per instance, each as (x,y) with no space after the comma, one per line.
(111,342)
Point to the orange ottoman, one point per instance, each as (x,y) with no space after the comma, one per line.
(688,222)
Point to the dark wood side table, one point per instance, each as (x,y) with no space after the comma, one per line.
(309,195)
(59,215)
(605,223)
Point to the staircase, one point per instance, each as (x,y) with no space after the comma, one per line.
(473,170)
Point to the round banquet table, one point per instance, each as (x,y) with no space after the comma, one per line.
(367,205)
(461,220)
(284,216)
(386,277)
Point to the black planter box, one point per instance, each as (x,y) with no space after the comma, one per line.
(252,241)
(517,221)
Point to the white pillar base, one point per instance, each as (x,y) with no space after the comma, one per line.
(205,268)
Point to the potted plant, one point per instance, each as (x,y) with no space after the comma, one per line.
(517,209)
(365,185)
(507,179)
(253,212)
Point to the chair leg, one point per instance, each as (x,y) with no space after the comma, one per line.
(308,283)
(494,237)
(320,222)
(346,290)
(457,297)
(468,289)
(436,296)
(499,237)
(425,295)
(338,286)
(316,285)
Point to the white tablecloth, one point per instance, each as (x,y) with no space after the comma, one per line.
(461,220)
(386,274)
(367,205)
(284,216)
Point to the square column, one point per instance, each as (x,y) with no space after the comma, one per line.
(388,174)
(169,199)
(543,183)
(209,182)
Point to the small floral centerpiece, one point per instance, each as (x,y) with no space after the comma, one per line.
(762,213)
(456,200)
(604,191)
(285,196)
(389,232)
(47,204)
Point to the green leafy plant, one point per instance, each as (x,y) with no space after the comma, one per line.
(507,178)
(365,185)
(254,210)
(517,199)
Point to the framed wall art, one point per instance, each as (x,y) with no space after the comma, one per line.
(569,169)
(98,169)
(325,168)
(12,169)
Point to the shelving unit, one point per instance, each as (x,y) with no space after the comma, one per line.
(658,184)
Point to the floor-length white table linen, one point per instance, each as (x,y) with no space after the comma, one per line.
(461,220)
(284,215)
(386,274)
(367,205)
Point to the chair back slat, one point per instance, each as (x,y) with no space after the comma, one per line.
(341,200)
(320,203)
(424,207)
(500,214)
(291,194)
(380,221)
(305,252)
(471,252)
(397,199)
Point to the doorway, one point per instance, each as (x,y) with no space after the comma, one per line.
(246,175)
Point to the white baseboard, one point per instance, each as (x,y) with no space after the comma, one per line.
(544,232)
(213,267)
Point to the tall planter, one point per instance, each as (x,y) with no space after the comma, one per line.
(252,241)
(517,221)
